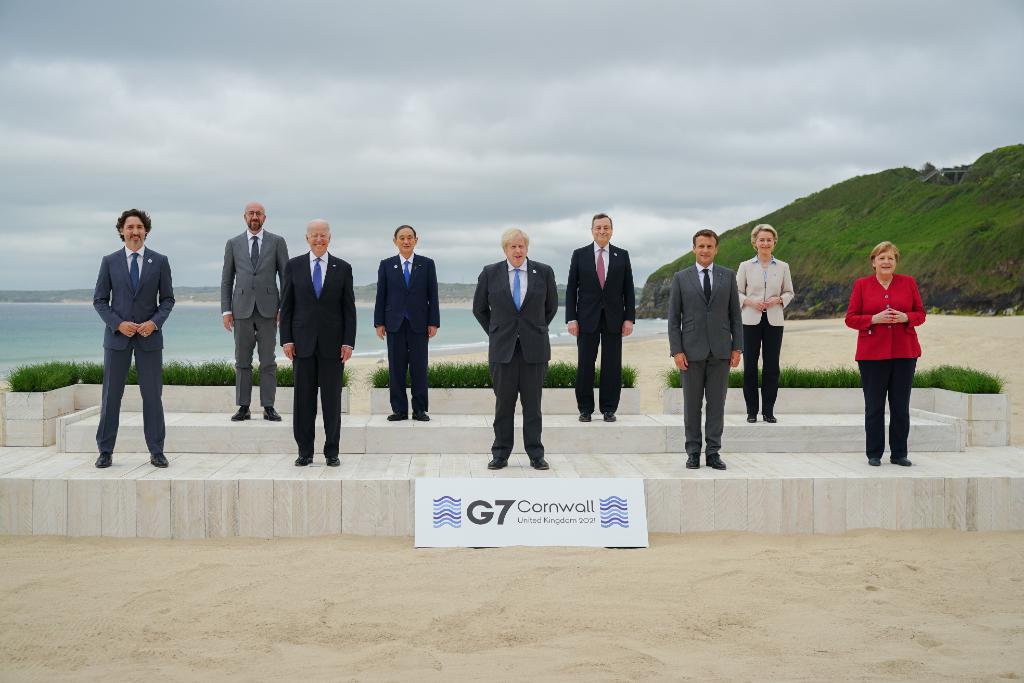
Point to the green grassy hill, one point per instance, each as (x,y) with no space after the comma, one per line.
(964,243)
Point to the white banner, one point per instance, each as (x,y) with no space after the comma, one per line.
(486,513)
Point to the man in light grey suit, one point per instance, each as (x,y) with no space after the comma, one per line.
(705,335)
(515,301)
(250,299)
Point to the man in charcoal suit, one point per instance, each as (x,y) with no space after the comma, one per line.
(253,263)
(318,333)
(407,313)
(705,334)
(133,296)
(515,301)
(599,311)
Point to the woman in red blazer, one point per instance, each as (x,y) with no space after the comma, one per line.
(886,308)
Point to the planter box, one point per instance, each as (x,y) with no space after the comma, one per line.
(181,399)
(481,402)
(30,418)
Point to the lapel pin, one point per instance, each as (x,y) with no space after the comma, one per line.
(615,253)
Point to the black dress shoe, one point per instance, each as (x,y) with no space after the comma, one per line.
(303,460)
(584,417)
(751,419)
(693,462)
(270,414)
(158,460)
(105,460)
(769,418)
(716,463)
(497,464)
(539,463)
(397,417)
(333,461)
(421,417)
(901,461)
(875,462)
(609,417)
(242,414)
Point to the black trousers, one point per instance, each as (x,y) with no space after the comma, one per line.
(149,365)
(890,379)
(755,338)
(312,372)
(611,369)
(515,381)
(407,353)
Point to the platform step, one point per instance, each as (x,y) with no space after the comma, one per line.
(453,434)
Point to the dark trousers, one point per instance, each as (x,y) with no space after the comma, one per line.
(756,337)
(890,379)
(515,381)
(407,353)
(149,365)
(611,369)
(312,372)
(255,332)
(704,380)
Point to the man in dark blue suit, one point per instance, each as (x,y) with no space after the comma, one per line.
(599,311)
(407,313)
(318,333)
(133,296)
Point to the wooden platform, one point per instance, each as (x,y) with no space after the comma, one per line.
(213,495)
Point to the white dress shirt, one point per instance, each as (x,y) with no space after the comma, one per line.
(142,257)
(402,260)
(607,253)
(522,279)
(323,265)
(711,274)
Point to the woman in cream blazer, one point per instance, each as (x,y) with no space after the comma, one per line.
(765,288)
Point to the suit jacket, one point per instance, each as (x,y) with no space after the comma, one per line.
(395,301)
(243,289)
(701,329)
(322,325)
(496,312)
(882,342)
(114,300)
(584,297)
(750,278)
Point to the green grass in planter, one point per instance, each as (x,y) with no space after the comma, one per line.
(956,378)
(43,376)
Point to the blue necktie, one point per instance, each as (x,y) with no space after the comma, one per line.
(318,279)
(133,272)
(407,273)
(517,292)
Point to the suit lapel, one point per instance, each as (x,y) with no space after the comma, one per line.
(718,281)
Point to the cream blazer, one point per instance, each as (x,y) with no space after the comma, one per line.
(753,284)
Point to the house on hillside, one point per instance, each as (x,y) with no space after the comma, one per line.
(944,176)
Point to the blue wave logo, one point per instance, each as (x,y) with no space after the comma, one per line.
(447,512)
(614,512)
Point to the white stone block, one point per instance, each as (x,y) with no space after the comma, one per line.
(50,507)
(34,432)
(36,405)
(990,407)
(15,507)
(153,508)
(256,508)
(197,399)
(221,500)
(85,506)
(829,506)
(988,433)
(951,403)
(118,508)
(663,500)
(481,402)
(188,508)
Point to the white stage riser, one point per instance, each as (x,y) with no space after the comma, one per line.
(265,508)
(481,402)
(474,434)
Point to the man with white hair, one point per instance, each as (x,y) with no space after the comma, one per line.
(515,301)
(318,333)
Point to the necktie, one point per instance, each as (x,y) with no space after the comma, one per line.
(255,253)
(133,272)
(406,273)
(318,278)
(600,267)
(707,284)
(517,291)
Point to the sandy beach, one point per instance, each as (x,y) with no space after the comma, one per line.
(867,605)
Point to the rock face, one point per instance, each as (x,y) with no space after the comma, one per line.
(963,243)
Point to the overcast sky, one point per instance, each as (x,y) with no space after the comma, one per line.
(465,118)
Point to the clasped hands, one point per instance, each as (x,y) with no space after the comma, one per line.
(627,328)
(762,306)
(889,316)
(289,352)
(382,331)
(130,329)
(682,363)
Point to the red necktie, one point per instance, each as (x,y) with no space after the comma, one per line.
(600,267)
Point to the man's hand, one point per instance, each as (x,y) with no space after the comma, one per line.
(147,328)
(627,328)
(431,331)
(681,362)
(346,353)
(289,351)
(229,321)
(128,329)
(381,331)
(734,359)
(574,328)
